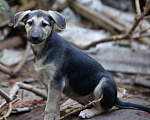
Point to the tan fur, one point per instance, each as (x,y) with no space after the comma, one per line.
(46,74)
(37,22)
(36,47)
(52,106)
(98,89)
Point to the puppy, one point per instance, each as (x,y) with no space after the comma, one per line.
(63,68)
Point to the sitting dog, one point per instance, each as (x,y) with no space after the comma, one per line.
(63,68)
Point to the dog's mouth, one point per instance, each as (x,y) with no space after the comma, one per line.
(35,41)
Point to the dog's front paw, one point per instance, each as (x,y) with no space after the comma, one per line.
(51,117)
(89,113)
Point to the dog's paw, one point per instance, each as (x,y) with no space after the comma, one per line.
(89,113)
(84,114)
(51,117)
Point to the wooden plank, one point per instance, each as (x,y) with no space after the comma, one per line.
(97,18)
(124,60)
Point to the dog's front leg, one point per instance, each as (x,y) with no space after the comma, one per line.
(52,111)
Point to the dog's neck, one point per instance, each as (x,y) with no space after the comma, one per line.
(38,49)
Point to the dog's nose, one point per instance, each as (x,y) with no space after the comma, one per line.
(35,37)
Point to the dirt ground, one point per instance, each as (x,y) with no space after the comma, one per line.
(142,97)
(115,114)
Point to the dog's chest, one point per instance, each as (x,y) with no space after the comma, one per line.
(45,72)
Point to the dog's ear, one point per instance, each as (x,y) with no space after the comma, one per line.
(18,17)
(58,19)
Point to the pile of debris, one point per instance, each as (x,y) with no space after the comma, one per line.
(117,36)
(88,24)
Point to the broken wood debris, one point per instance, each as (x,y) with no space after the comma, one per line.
(25,5)
(137,89)
(19,66)
(115,37)
(59,7)
(139,64)
(12,96)
(90,104)
(5,96)
(142,81)
(97,18)
(138,10)
(8,112)
(8,100)
(4,106)
(6,70)
(20,85)
(104,19)
(11,42)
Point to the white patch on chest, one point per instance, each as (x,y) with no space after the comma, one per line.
(45,72)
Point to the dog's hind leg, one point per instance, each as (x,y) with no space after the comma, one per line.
(107,88)
(97,109)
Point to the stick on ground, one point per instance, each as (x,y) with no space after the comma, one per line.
(12,94)
(20,85)
(6,70)
(5,96)
(8,100)
(137,5)
(82,108)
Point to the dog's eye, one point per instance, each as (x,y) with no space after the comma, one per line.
(44,24)
(30,23)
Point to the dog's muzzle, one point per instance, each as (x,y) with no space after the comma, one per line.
(35,39)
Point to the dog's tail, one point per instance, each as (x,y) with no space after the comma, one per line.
(121,104)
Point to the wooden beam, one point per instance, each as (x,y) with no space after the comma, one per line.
(97,18)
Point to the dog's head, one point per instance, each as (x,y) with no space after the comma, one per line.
(38,23)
